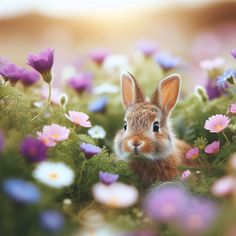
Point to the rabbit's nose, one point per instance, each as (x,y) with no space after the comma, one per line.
(136,144)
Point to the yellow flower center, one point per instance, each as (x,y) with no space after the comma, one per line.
(168,209)
(53,176)
(55,136)
(219,127)
(195,221)
(113,202)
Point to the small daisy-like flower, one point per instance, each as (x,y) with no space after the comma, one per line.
(46,140)
(116,195)
(224,186)
(79,118)
(228,76)
(213,148)
(212,64)
(232,108)
(54,174)
(217,123)
(185,175)
(107,178)
(33,149)
(52,220)
(99,105)
(97,132)
(21,191)
(56,132)
(193,153)
(89,150)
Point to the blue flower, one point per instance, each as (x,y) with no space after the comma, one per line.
(52,220)
(21,191)
(166,61)
(98,105)
(229,76)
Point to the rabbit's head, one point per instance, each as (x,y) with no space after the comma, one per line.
(146,132)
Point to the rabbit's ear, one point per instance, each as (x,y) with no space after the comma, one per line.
(167,94)
(130,91)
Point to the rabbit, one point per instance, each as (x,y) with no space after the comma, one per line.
(147,141)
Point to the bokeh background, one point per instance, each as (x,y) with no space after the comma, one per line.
(192,30)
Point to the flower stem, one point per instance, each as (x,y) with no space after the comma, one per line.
(49,92)
(226,137)
(81,171)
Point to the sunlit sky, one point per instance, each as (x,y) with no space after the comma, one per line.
(10,8)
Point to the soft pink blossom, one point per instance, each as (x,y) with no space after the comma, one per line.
(224,186)
(213,148)
(232,108)
(193,153)
(46,140)
(79,118)
(217,123)
(185,175)
(56,132)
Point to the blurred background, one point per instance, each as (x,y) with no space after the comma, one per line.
(193,30)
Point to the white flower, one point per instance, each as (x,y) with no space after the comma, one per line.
(97,132)
(117,195)
(68,72)
(116,62)
(105,88)
(54,174)
(212,64)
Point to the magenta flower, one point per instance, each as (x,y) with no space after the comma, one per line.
(11,72)
(89,150)
(79,118)
(192,154)
(56,132)
(233,53)
(147,48)
(213,148)
(33,149)
(217,123)
(224,186)
(107,178)
(185,175)
(198,217)
(42,63)
(81,82)
(213,90)
(166,203)
(232,108)
(29,77)
(98,55)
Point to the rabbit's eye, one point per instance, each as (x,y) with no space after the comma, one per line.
(156,126)
(125,125)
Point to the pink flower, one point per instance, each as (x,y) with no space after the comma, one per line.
(46,140)
(56,132)
(224,186)
(185,174)
(79,118)
(213,148)
(193,153)
(217,123)
(232,108)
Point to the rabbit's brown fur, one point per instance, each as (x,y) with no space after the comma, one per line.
(152,155)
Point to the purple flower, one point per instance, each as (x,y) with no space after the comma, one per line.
(233,53)
(89,150)
(81,82)
(21,191)
(2,141)
(199,216)
(107,178)
(33,149)
(229,76)
(148,48)
(166,203)
(99,105)
(52,220)
(166,61)
(42,63)
(213,89)
(11,72)
(98,55)
(29,77)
